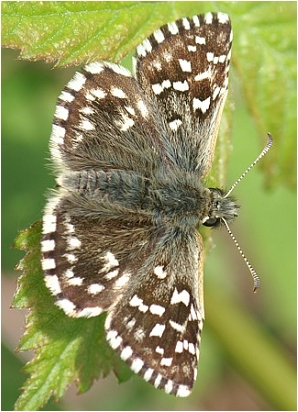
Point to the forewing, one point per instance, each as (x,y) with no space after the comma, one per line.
(104,121)
(184,67)
(157,323)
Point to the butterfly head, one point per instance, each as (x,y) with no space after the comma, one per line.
(221,207)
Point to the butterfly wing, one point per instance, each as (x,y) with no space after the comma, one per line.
(103,121)
(157,324)
(92,230)
(184,67)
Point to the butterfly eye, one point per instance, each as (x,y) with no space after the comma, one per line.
(213,221)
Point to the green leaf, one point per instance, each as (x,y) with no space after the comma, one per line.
(65,349)
(264,58)
(73,32)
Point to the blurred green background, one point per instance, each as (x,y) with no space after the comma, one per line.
(235,317)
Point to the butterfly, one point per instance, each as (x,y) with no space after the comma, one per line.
(120,231)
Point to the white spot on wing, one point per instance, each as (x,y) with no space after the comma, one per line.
(173,28)
(130,324)
(159,87)
(181,86)
(177,326)
(115,91)
(53,283)
(137,365)
(73,242)
(185,65)
(126,353)
(113,339)
(95,288)
(141,50)
(191,348)
(157,330)
(157,310)
(157,380)
(200,40)
(89,312)
(49,224)
(216,92)
(66,96)
(159,350)
(109,262)
(193,314)
(70,257)
(61,113)
(122,281)
(90,96)
(130,110)
(183,297)
(160,272)
(94,68)
(157,65)
(67,306)
(191,48)
(169,386)
(77,82)
(208,18)
(99,93)
(148,374)
(174,125)
(183,391)
(147,46)
(68,273)
(112,274)
(223,17)
(139,334)
(222,58)
(158,35)
(143,108)
(185,23)
(202,76)
(87,110)
(48,264)
(118,69)
(126,123)
(86,125)
(166,361)
(203,105)
(58,133)
(196,21)
(47,245)
(179,347)
(75,281)
(135,301)
(210,56)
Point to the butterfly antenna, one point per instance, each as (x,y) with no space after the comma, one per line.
(253,273)
(262,154)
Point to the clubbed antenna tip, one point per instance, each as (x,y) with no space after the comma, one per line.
(253,273)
